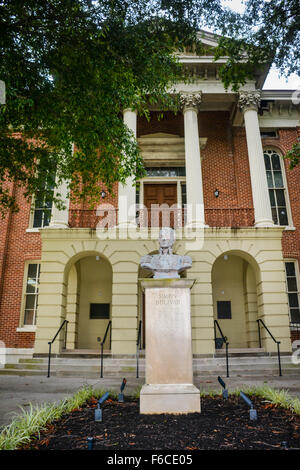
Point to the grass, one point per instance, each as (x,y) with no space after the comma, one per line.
(31,422)
(280,398)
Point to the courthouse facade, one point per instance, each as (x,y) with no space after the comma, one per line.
(218,164)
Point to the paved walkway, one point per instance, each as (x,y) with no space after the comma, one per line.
(18,391)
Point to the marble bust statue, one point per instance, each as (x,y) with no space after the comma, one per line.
(166,265)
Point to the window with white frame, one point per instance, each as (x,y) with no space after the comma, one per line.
(277,187)
(293,290)
(42,204)
(31,293)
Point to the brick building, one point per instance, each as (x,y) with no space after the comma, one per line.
(218,164)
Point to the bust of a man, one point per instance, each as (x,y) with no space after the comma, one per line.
(166,265)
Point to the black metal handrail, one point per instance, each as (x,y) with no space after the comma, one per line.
(104,339)
(216,325)
(138,347)
(65,322)
(277,342)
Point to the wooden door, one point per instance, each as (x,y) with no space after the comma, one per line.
(156,195)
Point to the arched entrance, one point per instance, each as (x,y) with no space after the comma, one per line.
(89,302)
(234,287)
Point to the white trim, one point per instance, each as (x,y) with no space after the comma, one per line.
(26,329)
(266,121)
(290,226)
(277,95)
(33,230)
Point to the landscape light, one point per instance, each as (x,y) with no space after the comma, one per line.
(224,391)
(98,410)
(121,395)
(90,442)
(253,413)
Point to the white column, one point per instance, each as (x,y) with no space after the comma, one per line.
(249,102)
(126,193)
(59,218)
(194,187)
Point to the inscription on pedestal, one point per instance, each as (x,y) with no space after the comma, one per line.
(168,299)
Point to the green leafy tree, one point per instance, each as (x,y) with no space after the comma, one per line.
(71,67)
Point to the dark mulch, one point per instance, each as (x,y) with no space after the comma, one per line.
(222,424)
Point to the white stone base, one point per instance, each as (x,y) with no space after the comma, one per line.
(12,355)
(169,399)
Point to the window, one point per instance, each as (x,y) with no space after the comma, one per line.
(224,309)
(43,204)
(99,311)
(31,293)
(268,134)
(174,171)
(293,291)
(277,191)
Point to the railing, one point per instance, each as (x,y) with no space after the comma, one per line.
(295,331)
(224,338)
(104,339)
(138,347)
(157,217)
(260,321)
(65,322)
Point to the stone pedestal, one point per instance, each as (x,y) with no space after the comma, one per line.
(169,362)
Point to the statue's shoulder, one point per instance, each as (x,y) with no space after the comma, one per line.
(147,259)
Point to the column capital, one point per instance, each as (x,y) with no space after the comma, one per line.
(190,101)
(249,100)
(129,110)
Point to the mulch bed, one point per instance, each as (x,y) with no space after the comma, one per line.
(222,424)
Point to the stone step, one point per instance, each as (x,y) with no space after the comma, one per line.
(241,350)
(198,378)
(117,367)
(73,367)
(131,363)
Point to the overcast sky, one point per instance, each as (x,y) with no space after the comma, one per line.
(273,81)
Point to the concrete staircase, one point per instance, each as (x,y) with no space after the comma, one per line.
(249,364)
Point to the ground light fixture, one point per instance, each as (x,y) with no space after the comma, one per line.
(224,391)
(98,410)
(121,394)
(90,442)
(253,413)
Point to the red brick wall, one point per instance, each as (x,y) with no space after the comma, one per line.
(225,160)
(225,167)
(16,247)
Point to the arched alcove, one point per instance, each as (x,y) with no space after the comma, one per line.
(234,287)
(89,301)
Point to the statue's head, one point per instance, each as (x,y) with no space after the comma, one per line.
(166,237)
